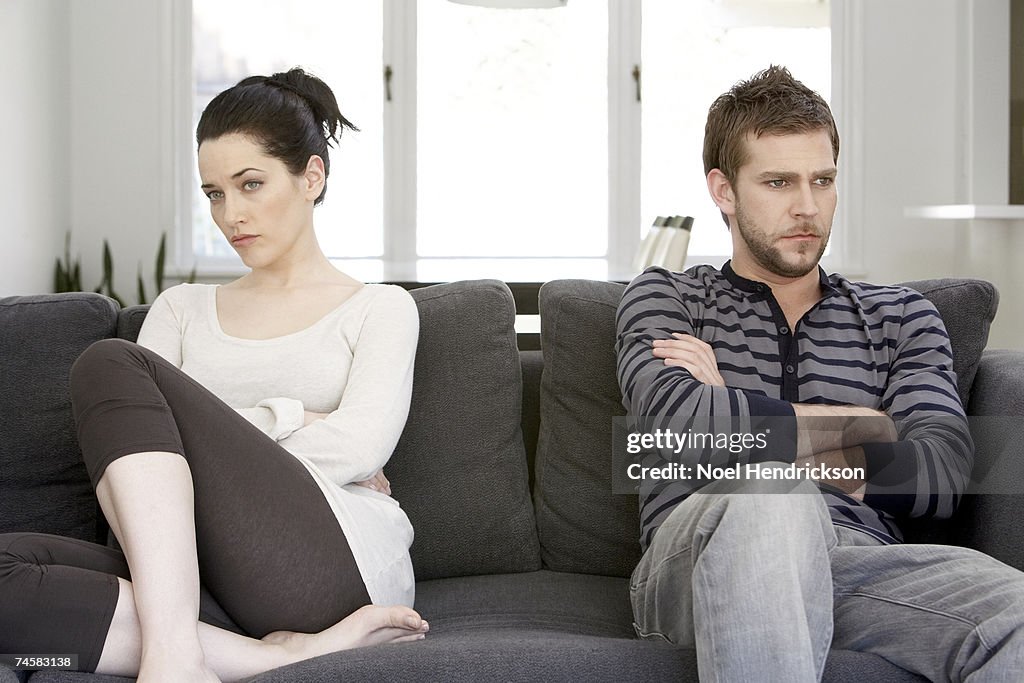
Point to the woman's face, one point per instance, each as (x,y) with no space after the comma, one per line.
(263,210)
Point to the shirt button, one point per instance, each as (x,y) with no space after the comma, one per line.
(784,330)
(790,369)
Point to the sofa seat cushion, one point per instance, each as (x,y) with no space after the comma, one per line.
(44,486)
(520,656)
(570,603)
(536,626)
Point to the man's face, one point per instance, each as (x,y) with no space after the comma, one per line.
(784,203)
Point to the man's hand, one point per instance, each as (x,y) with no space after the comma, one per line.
(841,458)
(825,428)
(377,482)
(688,352)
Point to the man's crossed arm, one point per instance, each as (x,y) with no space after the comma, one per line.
(828,435)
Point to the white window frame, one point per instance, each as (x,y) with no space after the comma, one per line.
(624,149)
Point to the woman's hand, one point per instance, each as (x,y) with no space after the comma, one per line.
(688,352)
(377,482)
(312,417)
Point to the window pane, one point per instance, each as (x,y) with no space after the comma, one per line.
(340,42)
(689,59)
(512,130)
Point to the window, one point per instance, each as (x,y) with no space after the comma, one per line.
(233,39)
(505,143)
(709,45)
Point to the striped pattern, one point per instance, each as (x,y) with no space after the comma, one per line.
(881,347)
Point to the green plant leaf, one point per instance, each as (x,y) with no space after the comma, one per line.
(108,265)
(161,260)
(59,278)
(142,287)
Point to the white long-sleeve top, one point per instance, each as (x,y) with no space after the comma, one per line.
(355,364)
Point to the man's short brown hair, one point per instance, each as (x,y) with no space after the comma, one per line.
(771,102)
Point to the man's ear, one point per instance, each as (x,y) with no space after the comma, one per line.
(315,176)
(722,192)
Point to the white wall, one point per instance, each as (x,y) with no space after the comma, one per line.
(923,138)
(119,130)
(935,131)
(34,192)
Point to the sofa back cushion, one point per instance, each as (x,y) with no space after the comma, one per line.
(583,526)
(459,470)
(968,308)
(43,482)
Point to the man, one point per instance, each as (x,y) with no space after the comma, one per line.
(764,585)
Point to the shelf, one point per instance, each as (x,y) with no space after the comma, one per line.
(1005,212)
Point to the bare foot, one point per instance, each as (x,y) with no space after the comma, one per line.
(369,625)
(160,669)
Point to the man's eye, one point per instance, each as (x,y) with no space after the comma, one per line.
(252,185)
(825,182)
(776,183)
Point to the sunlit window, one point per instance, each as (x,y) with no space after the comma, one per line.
(512,130)
(341,43)
(492,157)
(692,52)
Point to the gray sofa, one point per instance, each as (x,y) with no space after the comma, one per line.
(522,551)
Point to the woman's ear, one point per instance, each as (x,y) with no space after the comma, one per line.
(315,177)
(722,192)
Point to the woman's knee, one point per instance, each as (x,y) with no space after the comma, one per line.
(95,362)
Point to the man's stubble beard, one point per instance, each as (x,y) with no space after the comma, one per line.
(768,255)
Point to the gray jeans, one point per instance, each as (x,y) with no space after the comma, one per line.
(757,578)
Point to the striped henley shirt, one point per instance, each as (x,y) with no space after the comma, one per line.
(880,347)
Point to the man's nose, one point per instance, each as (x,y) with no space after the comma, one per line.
(805,203)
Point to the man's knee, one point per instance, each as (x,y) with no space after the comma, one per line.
(758,510)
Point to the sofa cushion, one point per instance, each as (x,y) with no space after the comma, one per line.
(459,469)
(43,482)
(967,308)
(583,526)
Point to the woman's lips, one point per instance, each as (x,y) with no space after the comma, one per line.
(243,240)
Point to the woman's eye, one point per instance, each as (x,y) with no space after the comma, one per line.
(252,184)
(215,195)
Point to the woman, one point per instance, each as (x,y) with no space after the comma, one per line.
(240,443)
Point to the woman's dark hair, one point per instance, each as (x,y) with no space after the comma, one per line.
(292,114)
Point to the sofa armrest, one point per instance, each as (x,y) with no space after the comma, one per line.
(989,521)
(11,676)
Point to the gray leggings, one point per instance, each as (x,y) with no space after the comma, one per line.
(271,551)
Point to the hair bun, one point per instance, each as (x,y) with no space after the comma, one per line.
(317,95)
